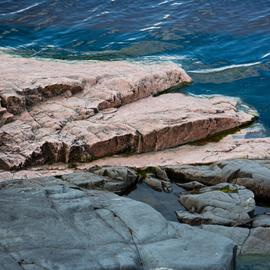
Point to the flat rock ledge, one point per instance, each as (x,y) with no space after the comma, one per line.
(82,111)
(59,223)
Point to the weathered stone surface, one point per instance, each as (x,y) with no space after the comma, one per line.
(237,234)
(249,241)
(77,92)
(25,82)
(207,174)
(258,242)
(227,148)
(261,221)
(253,174)
(86,180)
(224,204)
(51,133)
(48,224)
(78,114)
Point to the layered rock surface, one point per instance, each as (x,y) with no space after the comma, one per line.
(224,204)
(49,223)
(78,112)
(253,174)
(201,153)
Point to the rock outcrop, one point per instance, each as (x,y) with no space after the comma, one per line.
(49,223)
(79,112)
(198,153)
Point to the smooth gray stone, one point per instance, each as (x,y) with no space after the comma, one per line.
(261,221)
(258,242)
(55,225)
(206,174)
(237,234)
(253,174)
(85,179)
(249,241)
(223,204)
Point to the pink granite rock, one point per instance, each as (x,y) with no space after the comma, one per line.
(25,82)
(81,111)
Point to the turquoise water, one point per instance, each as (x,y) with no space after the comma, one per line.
(223,44)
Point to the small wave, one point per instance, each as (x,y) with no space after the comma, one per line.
(177,4)
(163,58)
(265,55)
(149,28)
(214,70)
(22,10)
(164,2)
(166,16)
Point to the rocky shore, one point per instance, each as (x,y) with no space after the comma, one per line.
(77,137)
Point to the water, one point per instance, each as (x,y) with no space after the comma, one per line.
(224,44)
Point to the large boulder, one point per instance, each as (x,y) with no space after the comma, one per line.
(47,223)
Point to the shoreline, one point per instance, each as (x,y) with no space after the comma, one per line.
(72,135)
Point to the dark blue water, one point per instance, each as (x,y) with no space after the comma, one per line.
(224,44)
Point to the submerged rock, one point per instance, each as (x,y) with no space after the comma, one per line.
(47,223)
(224,204)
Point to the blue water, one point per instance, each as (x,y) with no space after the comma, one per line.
(223,44)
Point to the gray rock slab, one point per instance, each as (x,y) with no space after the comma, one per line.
(50,224)
(261,221)
(237,234)
(224,204)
